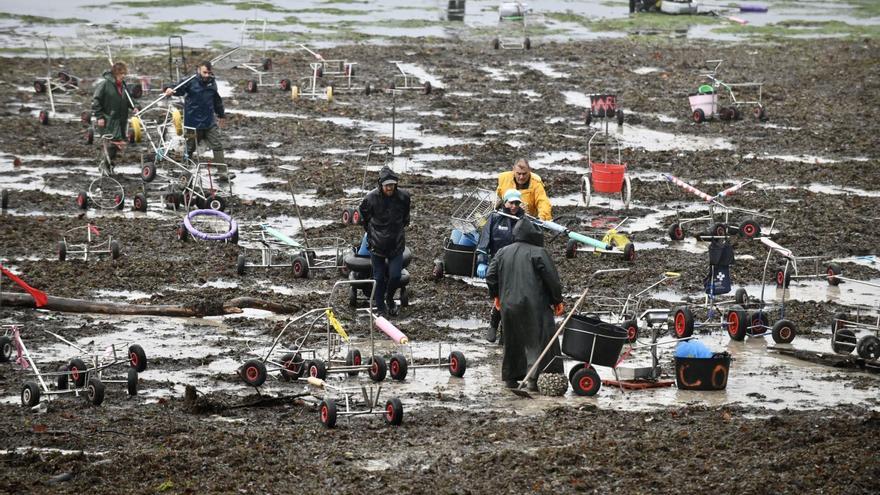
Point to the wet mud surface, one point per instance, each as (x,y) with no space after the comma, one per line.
(821,135)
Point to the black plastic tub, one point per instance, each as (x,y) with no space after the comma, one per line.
(702,373)
(459,259)
(580,334)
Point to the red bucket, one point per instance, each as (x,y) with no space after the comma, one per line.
(607,177)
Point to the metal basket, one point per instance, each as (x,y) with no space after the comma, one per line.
(473,211)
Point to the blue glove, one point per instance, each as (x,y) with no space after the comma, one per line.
(482,268)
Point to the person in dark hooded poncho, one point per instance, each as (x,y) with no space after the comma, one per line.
(110,105)
(523,279)
(384,215)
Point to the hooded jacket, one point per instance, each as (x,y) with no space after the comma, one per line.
(534,197)
(110,105)
(497,232)
(202,102)
(524,277)
(385,217)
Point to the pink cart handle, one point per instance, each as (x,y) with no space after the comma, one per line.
(391,331)
(687,187)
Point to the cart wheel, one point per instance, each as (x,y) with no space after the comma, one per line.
(114,250)
(683,322)
(699,116)
(329,93)
(496,44)
(173,200)
(833,269)
(437,271)
(367,89)
(90,135)
(527,43)
(758,323)
(393,412)
(43,117)
(346,216)
(758,112)
(783,278)
(378,369)
(784,332)
(30,394)
(63,379)
(137,358)
(131,381)
(843,341)
(267,64)
(355,216)
(619,116)
(838,322)
(182,233)
(148,172)
(571,247)
(239,264)
(398,367)
(353,358)
(353,297)
(626,192)
(741,297)
(216,203)
(676,233)
(585,188)
(317,369)
(749,229)
(4,199)
(629,252)
(139,203)
(251,86)
(868,347)
(82,201)
(77,368)
(118,201)
(85,117)
(328,413)
(285,84)
(736,322)
(457,364)
(632,330)
(253,372)
(427,87)
(177,120)
(586,382)
(292,366)
(300,268)
(39,87)
(5,349)
(574,369)
(737,115)
(294,92)
(718,230)
(404,297)
(95,391)
(62,251)
(137,91)
(725,113)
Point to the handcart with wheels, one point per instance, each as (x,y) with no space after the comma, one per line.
(208,225)
(84,375)
(604,106)
(276,249)
(608,174)
(351,214)
(310,87)
(790,270)
(512,27)
(404,80)
(350,401)
(83,241)
(613,242)
(719,215)
(613,237)
(59,88)
(342,73)
(723,100)
(314,353)
(252,56)
(857,319)
(105,193)
(467,220)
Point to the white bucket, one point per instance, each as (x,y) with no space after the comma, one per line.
(708,103)
(678,7)
(510,9)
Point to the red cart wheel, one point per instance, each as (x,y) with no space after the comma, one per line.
(784,332)
(378,369)
(736,322)
(137,358)
(783,278)
(457,364)
(328,413)
(318,369)
(393,412)
(586,382)
(398,367)
(77,368)
(676,233)
(749,229)
(571,247)
(253,372)
(683,323)
(699,116)
(629,252)
(833,270)
(632,330)
(300,268)
(353,358)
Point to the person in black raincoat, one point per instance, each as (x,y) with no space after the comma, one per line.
(110,105)
(385,214)
(497,232)
(202,102)
(524,283)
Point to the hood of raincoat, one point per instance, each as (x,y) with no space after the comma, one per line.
(526,231)
(387,174)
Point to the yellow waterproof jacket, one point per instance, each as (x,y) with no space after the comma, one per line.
(534,197)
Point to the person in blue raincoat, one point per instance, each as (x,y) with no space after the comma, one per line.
(202,102)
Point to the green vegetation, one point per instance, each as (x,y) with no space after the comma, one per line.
(149,3)
(265,6)
(159,29)
(865,8)
(640,22)
(345,1)
(333,11)
(786,29)
(35,19)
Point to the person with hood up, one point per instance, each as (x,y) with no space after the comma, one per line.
(202,102)
(530,185)
(525,286)
(497,232)
(385,214)
(110,105)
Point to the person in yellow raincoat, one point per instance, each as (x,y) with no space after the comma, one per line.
(530,185)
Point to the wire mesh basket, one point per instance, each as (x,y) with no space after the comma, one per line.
(473,211)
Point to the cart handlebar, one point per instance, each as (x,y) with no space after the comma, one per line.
(561,229)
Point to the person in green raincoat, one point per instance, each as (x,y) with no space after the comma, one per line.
(110,105)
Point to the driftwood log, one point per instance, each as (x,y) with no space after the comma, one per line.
(205,308)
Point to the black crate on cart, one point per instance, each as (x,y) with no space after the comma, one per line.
(459,259)
(702,373)
(592,340)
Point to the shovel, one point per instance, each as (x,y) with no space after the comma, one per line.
(521,391)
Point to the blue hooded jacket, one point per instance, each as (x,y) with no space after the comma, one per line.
(202,102)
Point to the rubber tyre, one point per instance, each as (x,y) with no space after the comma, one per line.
(457,364)
(5,349)
(437,270)
(285,84)
(251,86)
(784,332)
(741,297)
(758,323)
(783,278)
(527,43)
(398,367)
(300,267)
(317,369)
(62,251)
(832,270)
(355,216)
(427,87)
(629,252)
(682,322)
(843,341)
(749,229)
(253,372)
(353,358)
(632,330)
(699,116)
(586,382)
(676,233)
(571,248)
(496,44)
(30,394)
(137,358)
(139,203)
(346,216)
(131,382)
(43,117)
(95,391)
(148,172)
(63,382)
(77,368)
(114,250)
(292,366)
(328,413)
(215,203)
(82,201)
(90,136)
(353,297)
(736,322)
(393,412)
(119,201)
(868,347)
(718,230)
(619,116)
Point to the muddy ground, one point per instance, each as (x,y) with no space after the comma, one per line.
(820,100)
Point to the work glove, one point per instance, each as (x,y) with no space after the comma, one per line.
(482,268)
(558,309)
(497,303)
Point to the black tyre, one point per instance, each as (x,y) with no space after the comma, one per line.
(77,368)
(843,341)
(131,381)
(783,278)
(527,43)
(62,251)
(699,116)
(95,391)
(114,250)
(181,232)
(367,89)
(317,369)
(43,117)
(404,296)
(868,347)
(119,201)
(328,413)
(783,332)
(30,394)
(741,297)
(353,358)
(148,172)
(676,233)
(437,271)
(427,87)
(718,230)
(833,270)
(496,44)
(346,216)
(292,366)
(749,229)
(85,117)
(571,247)
(5,349)
(632,330)
(267,64)
(300,267)
(378,369)
(137,358)
(393,412)
(736,322)
(139,203)
(586,382)
(398,367)
(353,297)
(216,203)
(758,323)
(619,116)
(682,323)
(253,372)
(90,135)
(239,264)
(137,91)
(251,86)
(629,252)
(457,364)
(285,85)
(82,200)
(63,381)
